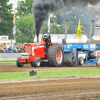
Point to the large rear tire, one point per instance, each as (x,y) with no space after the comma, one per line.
(36,62)
(55,55)
(19,64)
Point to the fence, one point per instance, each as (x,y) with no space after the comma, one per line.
(9,56)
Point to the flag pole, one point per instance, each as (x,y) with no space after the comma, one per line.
(14,25)
(49,24)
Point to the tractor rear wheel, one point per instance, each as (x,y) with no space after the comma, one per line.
(55,55)
(36,62)
(19,64)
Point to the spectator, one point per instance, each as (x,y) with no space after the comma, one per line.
(1,44)
(1,49)
(4,48)
(17,48)
(22,46)
(14,48)
(10,50)
(8,46)
(21,49)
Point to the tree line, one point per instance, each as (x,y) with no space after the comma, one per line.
(25,30)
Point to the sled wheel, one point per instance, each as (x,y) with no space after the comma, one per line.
(98,61)
(36,62)
(18,62)
(81,61)
(55,55)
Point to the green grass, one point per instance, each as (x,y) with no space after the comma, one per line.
(4,62)
(46,74)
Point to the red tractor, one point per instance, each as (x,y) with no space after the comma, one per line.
(44,51)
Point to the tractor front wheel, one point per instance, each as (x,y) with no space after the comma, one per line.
(55,55)
(19,64)
(36,62)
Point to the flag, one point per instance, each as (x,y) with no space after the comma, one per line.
(49,24)
(14,24)
(78,30)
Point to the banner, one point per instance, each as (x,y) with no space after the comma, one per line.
(78,30)
(14,24)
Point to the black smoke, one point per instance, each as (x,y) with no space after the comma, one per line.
(41,9)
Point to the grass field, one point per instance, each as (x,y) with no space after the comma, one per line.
(47,74)
(4,62)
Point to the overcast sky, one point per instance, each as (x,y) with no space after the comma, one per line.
(14,2)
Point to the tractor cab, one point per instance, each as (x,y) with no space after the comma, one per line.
(46,37)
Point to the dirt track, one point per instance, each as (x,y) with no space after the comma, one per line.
(64,89)
(14,68)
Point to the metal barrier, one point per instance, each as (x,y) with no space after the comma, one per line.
(9,56)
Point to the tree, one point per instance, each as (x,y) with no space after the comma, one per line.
(24,7)
(25,29)
(6,18)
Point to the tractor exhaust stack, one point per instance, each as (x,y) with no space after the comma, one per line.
(37,39)
(66,28)
(91,30)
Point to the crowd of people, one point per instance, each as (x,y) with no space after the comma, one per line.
(7,48)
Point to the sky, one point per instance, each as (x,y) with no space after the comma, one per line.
(14,3)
